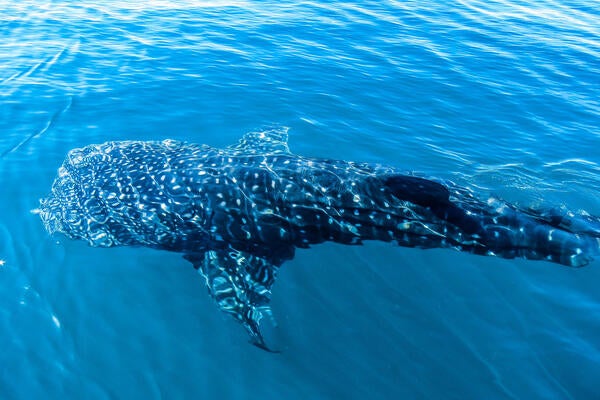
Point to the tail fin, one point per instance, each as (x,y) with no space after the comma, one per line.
(583,228)
(562,238)
(501,229)
(579,224)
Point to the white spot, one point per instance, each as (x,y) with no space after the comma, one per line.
(56,321)
(356,198)
(2,263)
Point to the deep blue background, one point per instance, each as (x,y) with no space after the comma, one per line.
(498,96)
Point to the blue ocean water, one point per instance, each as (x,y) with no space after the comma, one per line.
(499,96)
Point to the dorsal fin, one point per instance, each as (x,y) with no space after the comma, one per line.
(417,190)
(267,141)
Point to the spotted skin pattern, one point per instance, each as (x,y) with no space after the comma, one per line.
(238,213)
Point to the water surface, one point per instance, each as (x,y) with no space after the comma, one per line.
(498,96)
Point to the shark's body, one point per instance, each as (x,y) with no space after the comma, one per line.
(238,213)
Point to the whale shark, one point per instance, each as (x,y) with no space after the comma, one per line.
(238,213)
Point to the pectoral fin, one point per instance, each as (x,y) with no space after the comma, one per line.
(240,284)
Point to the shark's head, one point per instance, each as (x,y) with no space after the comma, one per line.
(61,210)
(124,193)
(74,206)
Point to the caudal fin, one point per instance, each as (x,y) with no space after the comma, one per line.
(501,229)
(582,229)
(568,221)
(563,238)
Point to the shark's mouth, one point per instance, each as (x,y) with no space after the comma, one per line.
(50,214)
